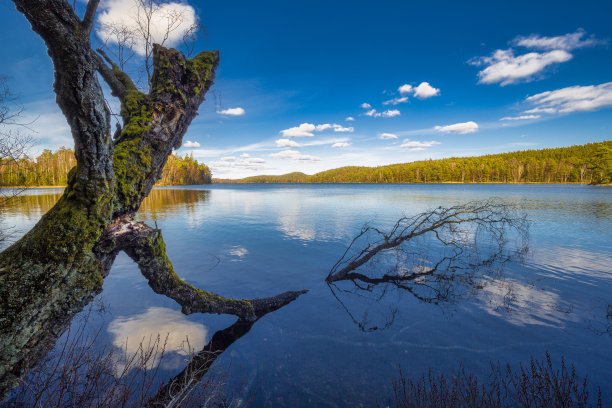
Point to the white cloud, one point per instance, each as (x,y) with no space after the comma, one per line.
(396,101)
(287,143)
(505,68)
(338,128)
(307,129)
(459,128)
(391,113)
(229,158)
(366,105)
(191,144)
(415,145)
(349,119)
(424,90)
(522,117)
(244,155)
(232,112)
(293,155)
(572,99)
(341,145)
(126,13)
(386,114)
(303,130)
(405,89)
(386,136)
(567,42)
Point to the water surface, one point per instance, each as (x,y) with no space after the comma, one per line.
(344,349)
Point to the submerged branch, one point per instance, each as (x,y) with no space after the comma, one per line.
(147,248)
(456,228)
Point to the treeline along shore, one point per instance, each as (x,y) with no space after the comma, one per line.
(51,169)
(584,164)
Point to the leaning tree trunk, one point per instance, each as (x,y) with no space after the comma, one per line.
(56,268)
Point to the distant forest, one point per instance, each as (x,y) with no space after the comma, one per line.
(589,163)
(51,169)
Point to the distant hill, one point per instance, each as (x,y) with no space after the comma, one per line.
(588,164)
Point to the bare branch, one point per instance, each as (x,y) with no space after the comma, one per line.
(116,86)
(90,12)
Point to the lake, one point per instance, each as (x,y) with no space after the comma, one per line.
(337,346)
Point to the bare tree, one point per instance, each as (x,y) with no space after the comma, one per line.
(57,267)
(14,145)
(150,23)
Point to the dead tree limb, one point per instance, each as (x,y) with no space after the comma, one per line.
(457,228)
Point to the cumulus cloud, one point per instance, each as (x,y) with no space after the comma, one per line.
(505,68)
(567,42)
(459,128)
(572,99)
(349,119)
(232,112)
(386,114)
(522,117)
(338,128)
(341,145)
(170,22)
(405,89)
(287,143)
(366,105)
(396,101)
(414,145)
(424,91)
(293,155)
(390,113)
(303,130)
(386,136)
(308,129)
(189,143)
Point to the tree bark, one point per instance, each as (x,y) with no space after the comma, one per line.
(57,267)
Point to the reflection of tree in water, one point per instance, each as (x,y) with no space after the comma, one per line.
(438,256)
(35,204)
(160,200)
(79,374)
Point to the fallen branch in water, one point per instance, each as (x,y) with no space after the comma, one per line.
(458,229)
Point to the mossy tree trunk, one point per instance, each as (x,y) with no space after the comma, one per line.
(57,267)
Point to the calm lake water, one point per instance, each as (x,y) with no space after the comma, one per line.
(337,348)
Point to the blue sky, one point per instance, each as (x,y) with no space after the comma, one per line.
(419,79)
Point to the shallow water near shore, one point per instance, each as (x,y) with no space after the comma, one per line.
(334,348)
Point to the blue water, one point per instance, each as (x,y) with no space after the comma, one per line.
(247,241)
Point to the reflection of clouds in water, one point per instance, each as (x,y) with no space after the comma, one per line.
(130,332)
(304,221)
(567,263)
(293,226)
(195,219)
(522,304)
(238,252)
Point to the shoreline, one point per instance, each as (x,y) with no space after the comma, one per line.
(227,183)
